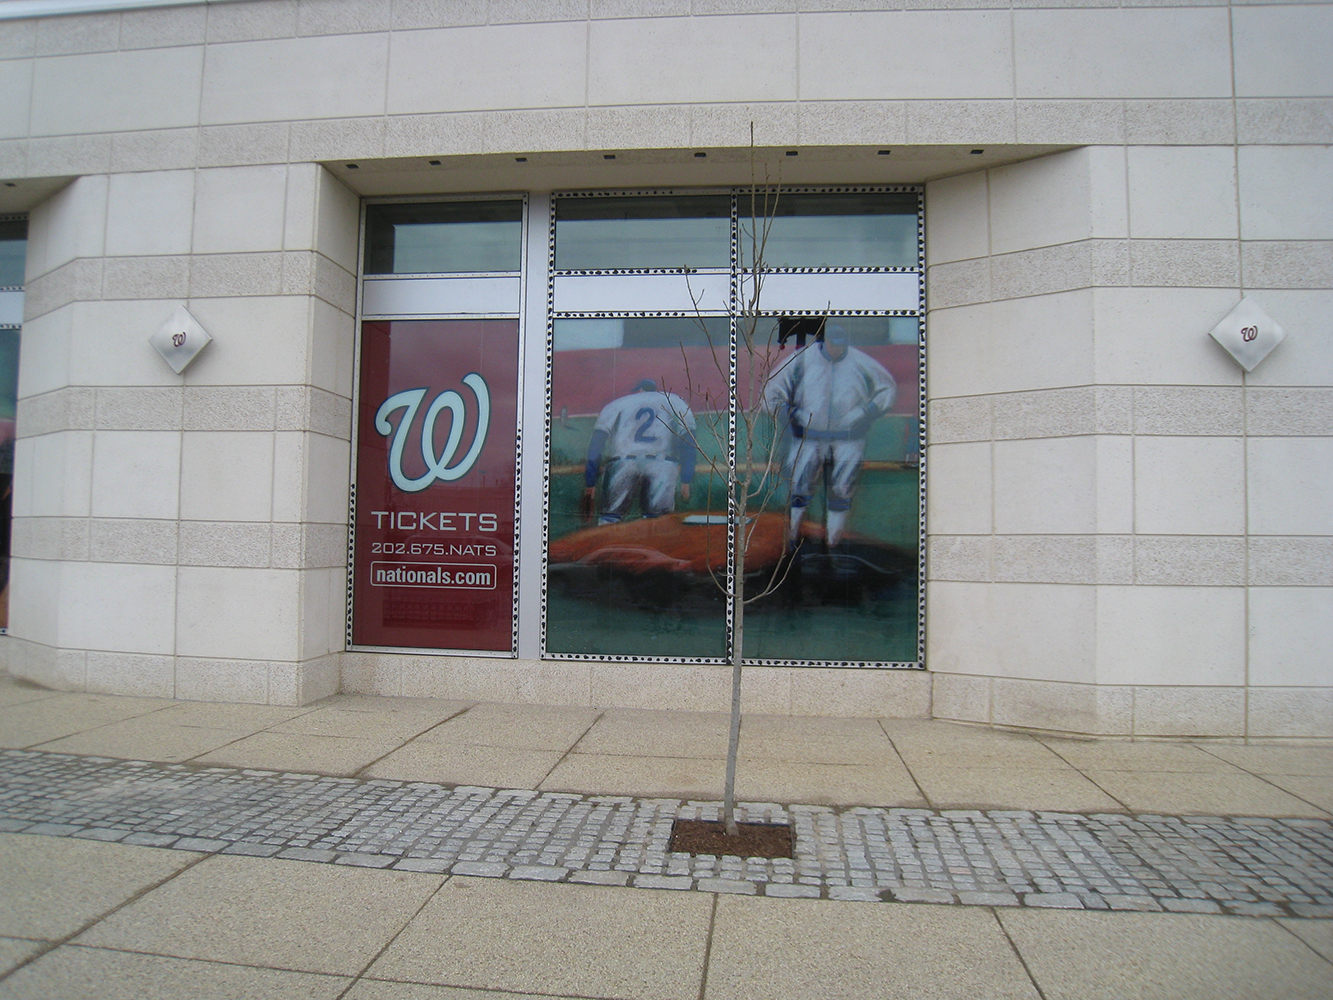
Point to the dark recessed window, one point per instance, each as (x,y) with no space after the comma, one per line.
(13,252)
(444,237)
(643,232)
(834,230)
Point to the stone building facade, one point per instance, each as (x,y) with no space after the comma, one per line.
(1125,532)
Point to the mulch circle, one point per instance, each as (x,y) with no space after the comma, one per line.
(755,840)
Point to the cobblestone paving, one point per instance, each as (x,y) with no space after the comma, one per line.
(1195,864)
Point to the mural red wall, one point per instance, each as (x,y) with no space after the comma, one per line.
(436,461)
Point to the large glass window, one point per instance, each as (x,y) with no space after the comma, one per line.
(13,254)
(436,431)
(811,398)
(637,433)
(433,560)
(674,370)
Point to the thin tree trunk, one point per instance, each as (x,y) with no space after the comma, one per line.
(737,656)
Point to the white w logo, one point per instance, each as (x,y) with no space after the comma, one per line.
(437,467)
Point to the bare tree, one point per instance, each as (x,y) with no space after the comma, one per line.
(746,435)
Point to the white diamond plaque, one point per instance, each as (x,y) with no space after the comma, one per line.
(1248,333)
(180,339)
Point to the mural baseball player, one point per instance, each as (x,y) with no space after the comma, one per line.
(647,440)
(831,393)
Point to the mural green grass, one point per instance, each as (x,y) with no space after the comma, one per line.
(609,614)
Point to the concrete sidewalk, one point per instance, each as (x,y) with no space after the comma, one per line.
(82,918)
(826,761)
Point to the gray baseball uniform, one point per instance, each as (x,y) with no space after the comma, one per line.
(647,439)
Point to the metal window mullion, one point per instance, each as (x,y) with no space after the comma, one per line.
(517,549)
(548,360)
(733,390)
(356,423)
(921,433)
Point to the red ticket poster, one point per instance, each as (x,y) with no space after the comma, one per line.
(435,485)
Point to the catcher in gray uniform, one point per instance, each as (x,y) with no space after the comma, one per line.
(831,393)
(647,439)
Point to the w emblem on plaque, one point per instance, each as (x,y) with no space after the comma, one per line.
(438,466)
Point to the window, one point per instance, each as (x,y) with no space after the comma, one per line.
(669,360)
(643,232)
(444,238)
(653,352)
(433,550)
(13,253)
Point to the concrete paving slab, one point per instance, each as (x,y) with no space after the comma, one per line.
(939,727)
(535,937)
(457,764)
(637,732)
(382,703)
(519,727)
(1306,760)
(385,723)
(977,748)
(18,692)
(767,780)
(268,912)
(1014,787)
(1316,789)
(34,722)
(1119,756)
(372,989)
(21,733)
(218,715)
(52,886)
(76,973)
(1081,955)
(1318,934)
(105,707)
(338,755)
(813,949)
(146,738)
(1202,794)
(14,951)
(614,774)
(816,741)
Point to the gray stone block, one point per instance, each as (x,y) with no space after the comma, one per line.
(538,873)
(307,854)
(250,850)
(789,891)
(206,845)
(1053,900)
(663,882)
(1174,905)
(600,878)
(364,860)
(922,896)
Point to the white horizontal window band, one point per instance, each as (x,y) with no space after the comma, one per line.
(709,293)
(876,292)
(11,308)
(470,296)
